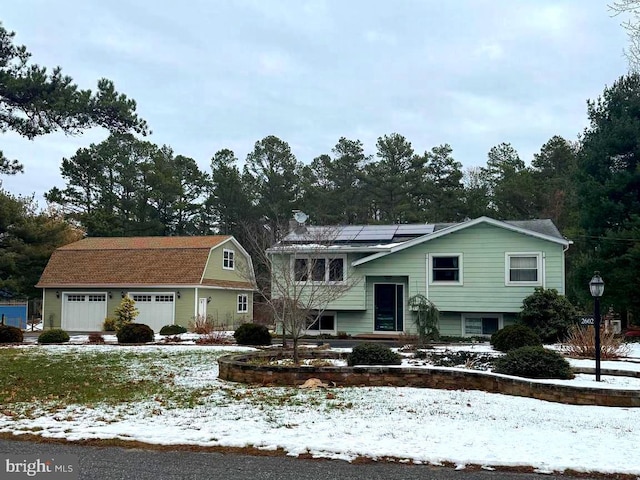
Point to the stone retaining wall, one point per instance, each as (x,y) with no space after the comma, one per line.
(254,369)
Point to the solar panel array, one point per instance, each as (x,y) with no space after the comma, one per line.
(363,233)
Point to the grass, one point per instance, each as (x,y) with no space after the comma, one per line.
(35,377)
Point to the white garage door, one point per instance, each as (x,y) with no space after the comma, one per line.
(156,309)
(83,311)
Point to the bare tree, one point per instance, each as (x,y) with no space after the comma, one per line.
(297,280)
(632,27)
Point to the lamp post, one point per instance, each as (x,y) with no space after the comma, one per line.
(596,286)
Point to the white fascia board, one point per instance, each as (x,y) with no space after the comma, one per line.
(458,227)
(120,286)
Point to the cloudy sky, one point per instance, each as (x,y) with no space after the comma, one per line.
(213,74)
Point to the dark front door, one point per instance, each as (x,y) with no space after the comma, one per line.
(389,307)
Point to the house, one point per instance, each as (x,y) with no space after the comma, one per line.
(171,279)
(476,272)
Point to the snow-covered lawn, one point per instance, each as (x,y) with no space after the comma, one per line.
(407,424)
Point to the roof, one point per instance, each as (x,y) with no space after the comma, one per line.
(130,261)
(381,240)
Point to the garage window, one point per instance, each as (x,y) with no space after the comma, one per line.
(164,298)
(141,298)
(75,298)
(97,298)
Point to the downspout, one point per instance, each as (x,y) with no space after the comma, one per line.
(195,301)
(564,250)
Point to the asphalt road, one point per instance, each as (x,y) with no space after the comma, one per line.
(115,463)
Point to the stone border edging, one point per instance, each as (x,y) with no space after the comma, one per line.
(236,368)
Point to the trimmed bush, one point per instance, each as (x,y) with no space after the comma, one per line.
(172,330)
(109,324)
(252,334)
(96,338)
(55,335)
(9,334)
(514,336)
(373,354)
(534,362)
(548,313)
(135,333)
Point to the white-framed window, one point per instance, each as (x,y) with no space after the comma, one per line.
(445,269)
(228,259)
(320,269)
(141,298)
(479,324)
(243,303)
(319,324)
(523,268)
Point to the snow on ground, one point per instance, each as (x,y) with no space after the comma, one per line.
(420,425)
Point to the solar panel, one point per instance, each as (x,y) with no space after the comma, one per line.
(413,229)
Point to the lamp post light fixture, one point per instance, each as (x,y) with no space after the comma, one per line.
(596,286)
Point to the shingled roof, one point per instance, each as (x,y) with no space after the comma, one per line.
(130,261)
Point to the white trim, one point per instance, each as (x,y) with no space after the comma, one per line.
(230,259)
(327,257)
(238,303)
(328,313)
(457,227)
(507,268)
(430,258)
(195,301)
(463,317)
(165,286)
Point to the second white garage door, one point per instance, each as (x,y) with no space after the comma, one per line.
(156,309)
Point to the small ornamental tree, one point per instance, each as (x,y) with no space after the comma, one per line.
(125,313)
(548,313)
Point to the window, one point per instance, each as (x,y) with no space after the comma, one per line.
(228,259)
(319,269)
(446,268)
(481,324)
(164,298)
(97,298)
(141,298)
(243,303)
(75,298)
(324,323)
(523,269)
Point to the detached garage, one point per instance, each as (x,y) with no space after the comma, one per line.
(172,280)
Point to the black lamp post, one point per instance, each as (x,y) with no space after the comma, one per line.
(596,286)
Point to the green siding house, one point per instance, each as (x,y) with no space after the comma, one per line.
(173,280)
(476,272)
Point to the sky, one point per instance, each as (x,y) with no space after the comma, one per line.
(419,425)
(213,74)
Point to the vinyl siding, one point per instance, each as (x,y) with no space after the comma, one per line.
(223,308)
(214,270)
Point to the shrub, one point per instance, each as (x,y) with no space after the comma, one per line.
(252,334)
(534,362)
(202,325)
(96,338)
(373,354)
(55,335)
(9,334)
(548,313)
(217,337)
(109,324)
(135,333)
(172,330)
(514,336)
(581,342)
(125,313)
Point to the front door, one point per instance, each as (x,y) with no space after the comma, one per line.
(202,308)
(389,307)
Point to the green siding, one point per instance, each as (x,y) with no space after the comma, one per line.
(483,288)
(223,307)
(214,269)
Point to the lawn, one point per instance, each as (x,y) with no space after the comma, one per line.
(170,395)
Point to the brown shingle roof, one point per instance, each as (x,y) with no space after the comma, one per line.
(130,261)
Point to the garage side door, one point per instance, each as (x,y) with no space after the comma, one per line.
(156,309)
(83,311)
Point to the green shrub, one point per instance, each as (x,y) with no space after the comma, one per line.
(135,333)
(252,334)
(9,334)
(55,335)
(172,330)
(125,313)
(109,324)
(373,354)
(548,313)
(534,362)
(514,336)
